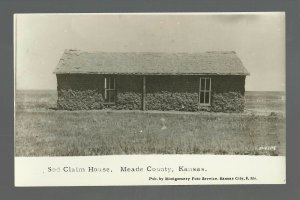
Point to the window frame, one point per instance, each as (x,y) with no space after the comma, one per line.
(108,89)
(204,91)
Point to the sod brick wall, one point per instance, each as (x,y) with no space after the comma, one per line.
(181,93)
(228,94)
(129,93)
(172,93)
(79,92)
(83,92)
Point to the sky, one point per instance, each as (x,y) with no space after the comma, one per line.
(257,38)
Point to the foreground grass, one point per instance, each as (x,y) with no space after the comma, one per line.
(63,133)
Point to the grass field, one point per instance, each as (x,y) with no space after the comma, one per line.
(43,131)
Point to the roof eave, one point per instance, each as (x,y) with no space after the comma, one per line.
(132,73)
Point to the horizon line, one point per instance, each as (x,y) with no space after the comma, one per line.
(245,90)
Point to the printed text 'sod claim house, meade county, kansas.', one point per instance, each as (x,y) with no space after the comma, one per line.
(210,81)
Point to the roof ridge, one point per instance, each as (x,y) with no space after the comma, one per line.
(209,62)
(146,52)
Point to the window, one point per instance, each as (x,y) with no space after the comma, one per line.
(204,91)
(109,90)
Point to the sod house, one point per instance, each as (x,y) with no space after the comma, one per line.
(210,81)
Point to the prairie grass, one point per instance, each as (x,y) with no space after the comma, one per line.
(41,131)
(59,133)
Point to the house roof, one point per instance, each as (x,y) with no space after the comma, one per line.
(150,63)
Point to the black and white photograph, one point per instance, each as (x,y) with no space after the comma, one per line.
(138,87)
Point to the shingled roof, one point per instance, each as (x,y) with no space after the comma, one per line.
(150,63)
